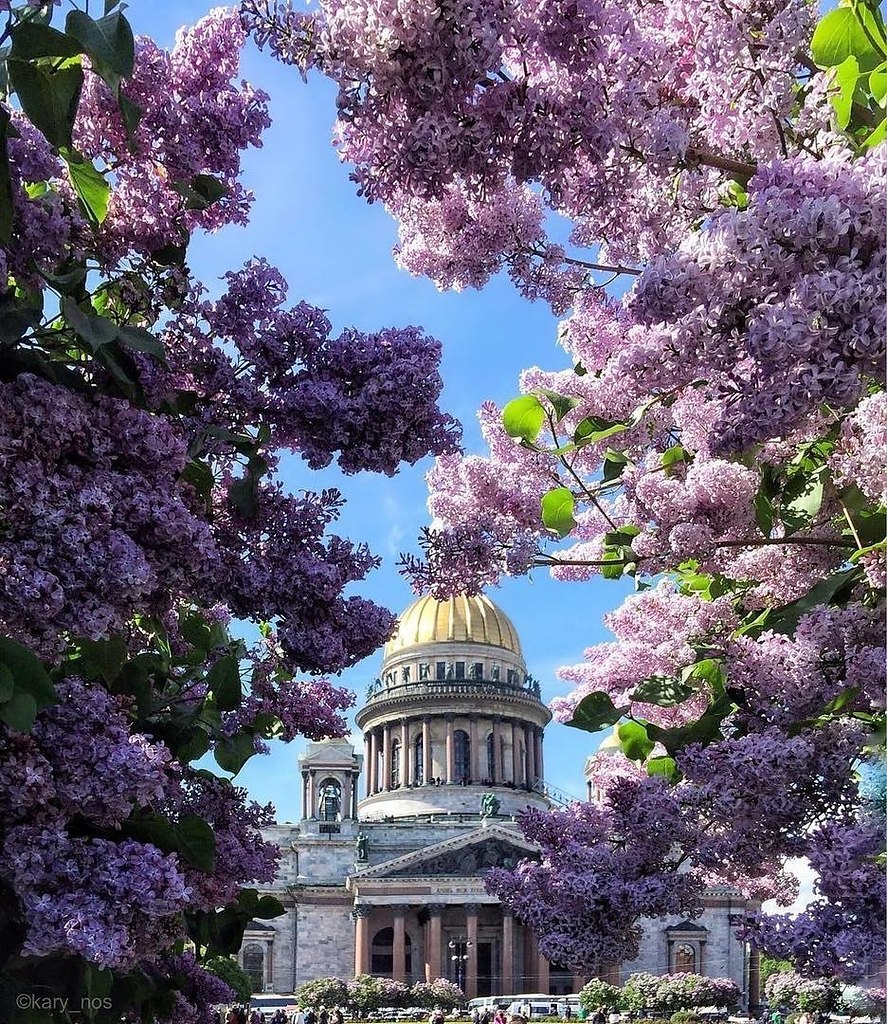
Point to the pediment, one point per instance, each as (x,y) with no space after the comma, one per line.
(469,855)
(687,926)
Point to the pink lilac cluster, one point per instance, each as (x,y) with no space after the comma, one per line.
(459,241)
(81,760)
(682,991)
(241,854)
(438,992)
(860,456)
(833,651)
(196,118)
(840,934)
(113,903)
(600,870)
(197,994)
(625,115)
(303,707)
(659,632)
(780,306)
(790,989)
(97,522)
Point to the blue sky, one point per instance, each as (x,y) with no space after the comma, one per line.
(335,251)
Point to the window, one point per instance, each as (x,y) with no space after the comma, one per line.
(685,959)
(441,670)
(405,673)
(382,953)
(460,669)
(395,765)
(462,755)
(254,965)
(424,670)
(512,677)
(330,800)
(478,670)
(418,762)
(491,764)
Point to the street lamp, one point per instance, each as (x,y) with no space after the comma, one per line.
(459,947)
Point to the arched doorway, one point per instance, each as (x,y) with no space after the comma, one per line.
(382,953)
(254,965)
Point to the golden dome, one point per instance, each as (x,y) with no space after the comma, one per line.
(611,745)
(456,619)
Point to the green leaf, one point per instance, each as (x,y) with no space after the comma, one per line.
(6,207)
(557,510)
(19,711)
(595,712)
(802,499)
(560,403)
(28,671)
(30,40)
(232,754)
(878,82)
(193,748)
(223,680)
(663,691)
(96,331)
(108,41)
(840,34)
(201,192)
(49,97)
(7,682)
(90,185)
(671,456)
(594,428)
(102,658)
(137,339)
(705,729)
(523,418)
(268,907)
(665,767)
(846,77)
(616,570)
(877,136)
(614,465)
(636,745)
(833,590)
(196,841)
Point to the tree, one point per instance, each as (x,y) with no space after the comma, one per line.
(141,422)
(439,992)
(228,970)
(717,435)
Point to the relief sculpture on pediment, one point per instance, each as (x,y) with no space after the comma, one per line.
(472,860)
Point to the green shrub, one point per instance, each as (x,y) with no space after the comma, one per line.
(685,1017)
(600,993)
(227,969)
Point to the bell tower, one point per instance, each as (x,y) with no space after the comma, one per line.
(330,773)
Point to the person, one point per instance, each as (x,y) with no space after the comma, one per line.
(337,1017)
(776,1017)
(297,1016)
(324,1016)
(499,1017)
(568,1011)
(310,1016)
(361,841)
(437,1016)
(599,1016)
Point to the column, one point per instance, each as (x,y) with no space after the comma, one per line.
(531,755)
(515,755)
(432,962)
(400,957)
(507,954)
(497,751)
(386,757)
(371,763)
(427,758)
(312,794)
(346,796)
(405,759)
(542,972)
(474,770)
(354,797)
(361,917)
(754,980)
(451,751)
(471,910)
(540,763)
(305,794)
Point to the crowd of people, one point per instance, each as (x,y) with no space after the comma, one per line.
(300,1015)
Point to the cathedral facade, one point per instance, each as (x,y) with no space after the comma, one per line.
(384,873)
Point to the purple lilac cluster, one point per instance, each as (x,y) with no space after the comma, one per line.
(196,118)
(197,995)
(601,869)
(113,903)
(97,522)
(241,854)
(619,111)
(780,306)
(81,759)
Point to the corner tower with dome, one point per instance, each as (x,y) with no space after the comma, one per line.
(384,872)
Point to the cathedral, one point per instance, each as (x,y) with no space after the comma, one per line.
(384,874)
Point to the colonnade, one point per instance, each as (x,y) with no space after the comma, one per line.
(515,943)
(517,751)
